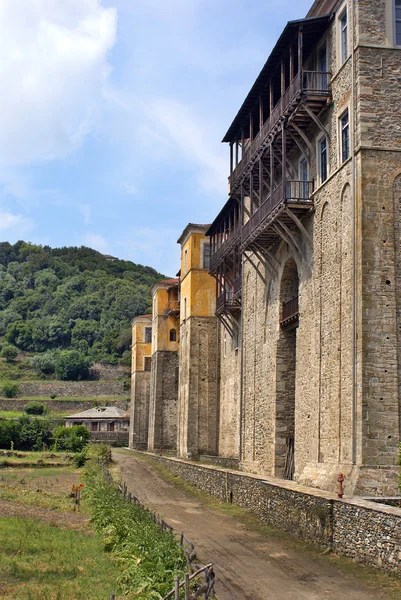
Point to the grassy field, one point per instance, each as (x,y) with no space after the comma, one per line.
(9,458)
(96,400)
(47,550)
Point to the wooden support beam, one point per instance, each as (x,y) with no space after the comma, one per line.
(242,142)
(231,158)
(300,52)
(260,112)
(236,153)
(271,97)
(317,121)
(226,325)
(250,127)
(271,168)
(285,238)
(303,136)
(301,148)
(255,267)
(284,156)
(299,225)
(290,235)
(291,63)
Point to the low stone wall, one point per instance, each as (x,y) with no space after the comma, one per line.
(71,406)
(363,530)
(72,389)
(227,463)
(119,438)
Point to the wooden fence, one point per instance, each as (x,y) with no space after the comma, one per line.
(202,576)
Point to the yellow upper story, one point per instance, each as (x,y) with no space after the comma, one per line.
(141,343)
(165,315)
(198,287)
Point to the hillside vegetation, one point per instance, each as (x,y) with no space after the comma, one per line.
(57,299)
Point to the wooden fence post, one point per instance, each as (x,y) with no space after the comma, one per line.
(186,586)
(177,587)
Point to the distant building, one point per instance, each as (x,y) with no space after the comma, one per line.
(106,423)
(140,380)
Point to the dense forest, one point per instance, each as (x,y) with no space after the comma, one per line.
(53,299)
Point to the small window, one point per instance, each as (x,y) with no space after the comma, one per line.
(185,262)
(206,255)
(147,363)
(173,335)
(344,36)
(148,335)
(323,162)
(344,126)
(185,308)
(397,22)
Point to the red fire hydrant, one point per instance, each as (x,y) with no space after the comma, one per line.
(340,480)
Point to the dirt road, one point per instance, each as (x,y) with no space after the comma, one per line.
(248,565)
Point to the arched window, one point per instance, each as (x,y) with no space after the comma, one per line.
(173,335)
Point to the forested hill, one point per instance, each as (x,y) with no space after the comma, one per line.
(53,298)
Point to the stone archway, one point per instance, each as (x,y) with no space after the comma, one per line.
(286,372)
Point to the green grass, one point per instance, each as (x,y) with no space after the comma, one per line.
(10,458)
(96,400)
(39,560)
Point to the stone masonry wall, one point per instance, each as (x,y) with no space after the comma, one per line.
(367,532)
(72,389)
(197,410)
(70,406)
(162,431)
(229,395)
(139,409)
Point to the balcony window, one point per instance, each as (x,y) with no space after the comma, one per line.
(303,176)
(147,363)
(344,36)
(173,335)
(344,131)
(323,159)
(397,22)
(148,335)
(206,255)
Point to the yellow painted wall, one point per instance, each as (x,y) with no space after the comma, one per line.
(162,322)
(198,288)
(140,348)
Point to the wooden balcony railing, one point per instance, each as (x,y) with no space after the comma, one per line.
(290,311)
(315,83)
(295,191)
(226,301)
(225,247)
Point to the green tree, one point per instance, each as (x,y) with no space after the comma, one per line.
(9,389)
(34,408)
(9,352)
(72,365)
(73,438)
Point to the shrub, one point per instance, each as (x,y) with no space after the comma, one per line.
(9,352)
(43,363)
(73,439)
(81,457)
(34,433)
(35,408)
(72,365)
(53,395)
(9,389)
(9,433)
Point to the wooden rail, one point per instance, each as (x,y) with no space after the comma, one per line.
(290,311)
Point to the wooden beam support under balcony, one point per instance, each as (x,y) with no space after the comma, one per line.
(248,258)
(300,50)
(300,226)
(302,135)
(290,235)
(286,239)
(260,112)
(317,121)
(231,158)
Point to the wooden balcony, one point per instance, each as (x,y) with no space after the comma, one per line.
(232,238)
(227,303)
(237,287)
(311,87)
(295,196)
(290,313)
(174,308)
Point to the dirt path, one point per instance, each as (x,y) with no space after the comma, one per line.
(248,565)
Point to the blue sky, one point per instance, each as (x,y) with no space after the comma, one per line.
(112,115)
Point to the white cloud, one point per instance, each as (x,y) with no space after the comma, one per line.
(14,225)
(192,137)
(52,72)
(95,241)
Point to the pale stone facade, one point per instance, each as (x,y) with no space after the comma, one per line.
(329,383)
(293,364)
(140,381)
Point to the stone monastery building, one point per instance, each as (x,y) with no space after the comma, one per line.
(279,346)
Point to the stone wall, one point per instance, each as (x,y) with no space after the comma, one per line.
(119,438)
(70,406)
(162,431)
(365,531)
(139,409)
(72,389)
(229,395)
(197,399)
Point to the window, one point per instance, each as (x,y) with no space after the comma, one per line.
(148,335)
(185,262)
(344,132)
(303,175)
(147,363)
(344,36)
(173,335)
(206,255)
(397,22)
(185,308)
(323,159)
(322,66)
